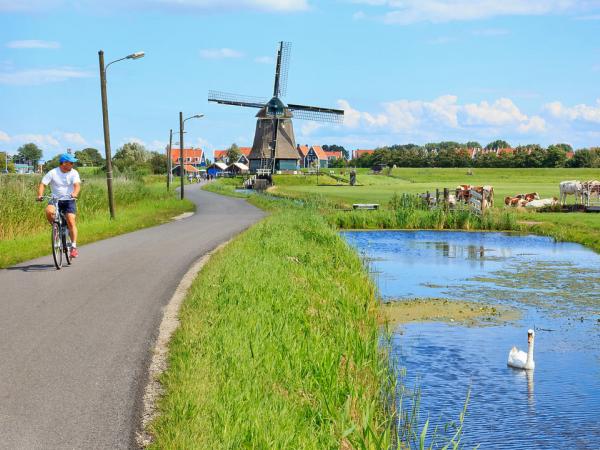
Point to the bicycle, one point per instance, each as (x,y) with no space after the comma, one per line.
(61,240)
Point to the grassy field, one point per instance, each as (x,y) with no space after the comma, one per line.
(274,352)
(380,188)
(576,227)
(24,232)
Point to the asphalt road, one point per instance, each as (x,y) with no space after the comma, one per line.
(75,344)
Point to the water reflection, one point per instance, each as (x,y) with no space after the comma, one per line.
(556,285)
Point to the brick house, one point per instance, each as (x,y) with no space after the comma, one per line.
(194,159)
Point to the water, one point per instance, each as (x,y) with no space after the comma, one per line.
(557,288)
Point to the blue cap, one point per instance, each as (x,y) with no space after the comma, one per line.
(67,157)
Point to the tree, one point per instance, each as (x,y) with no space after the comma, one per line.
(30,152)
(132,156)
(51,164)
(89,157)
(337,148)
(4,167)
(233,154)
(473,144)
(497,144)
(556,156)
(158,162)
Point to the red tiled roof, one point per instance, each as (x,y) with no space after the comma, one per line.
(359,153)
(505,150)
(569,155)
(187,153)
(336,153)
(189,168)
(219,154)
(319,151)
(303,150)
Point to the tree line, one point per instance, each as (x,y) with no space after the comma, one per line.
(454,154)
(131,157)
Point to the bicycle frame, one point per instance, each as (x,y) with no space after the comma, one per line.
(60,232)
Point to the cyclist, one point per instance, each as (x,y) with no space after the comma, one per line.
(64,181)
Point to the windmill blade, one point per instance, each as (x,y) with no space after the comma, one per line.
(283,67)
(317,113)
(226,98)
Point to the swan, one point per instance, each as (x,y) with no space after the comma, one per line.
(521,360)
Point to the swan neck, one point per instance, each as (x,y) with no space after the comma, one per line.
(530,352)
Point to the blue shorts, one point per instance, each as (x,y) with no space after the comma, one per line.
(67,206)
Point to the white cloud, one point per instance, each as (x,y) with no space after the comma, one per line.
(49,142)
(74,138)
(32,43)
(406,12)
(579,112)
(443,114)
(264,60)
(491,32)
(309,127)
(220,53)
(31,77)
(277,6)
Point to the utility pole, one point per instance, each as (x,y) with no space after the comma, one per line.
(109,173)
(169,164)
(181,146)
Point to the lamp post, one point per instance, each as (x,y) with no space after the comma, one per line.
(181,146)
(169,163)
(109,177)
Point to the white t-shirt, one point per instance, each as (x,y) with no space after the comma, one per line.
(61,183)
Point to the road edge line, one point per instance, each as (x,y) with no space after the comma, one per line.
(169,323)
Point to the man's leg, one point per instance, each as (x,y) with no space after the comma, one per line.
(50,210)
(72,227)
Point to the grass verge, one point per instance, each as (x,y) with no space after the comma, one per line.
(26,234)
(272,352)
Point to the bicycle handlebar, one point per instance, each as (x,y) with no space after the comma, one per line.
(51,197)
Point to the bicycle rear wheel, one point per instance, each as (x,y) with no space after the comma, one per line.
(56,246)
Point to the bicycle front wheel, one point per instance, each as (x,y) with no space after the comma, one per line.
(57,253)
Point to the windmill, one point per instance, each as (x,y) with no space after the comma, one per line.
(274,146)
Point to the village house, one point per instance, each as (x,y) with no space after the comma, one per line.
(221,155)
(358,153)
(312,156)
(333,155)
(194,160)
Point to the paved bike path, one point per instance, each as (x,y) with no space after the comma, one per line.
(75,344)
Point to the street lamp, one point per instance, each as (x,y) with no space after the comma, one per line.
(109,177)
(181,146)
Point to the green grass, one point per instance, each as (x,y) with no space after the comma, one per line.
(275,352)
(25,233)
(575,227)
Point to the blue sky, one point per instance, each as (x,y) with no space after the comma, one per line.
(404,71)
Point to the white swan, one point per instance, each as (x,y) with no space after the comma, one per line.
(521,360)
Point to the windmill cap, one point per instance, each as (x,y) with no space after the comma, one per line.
(66,157)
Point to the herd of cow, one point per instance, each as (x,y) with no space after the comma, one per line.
(583,192)
(483,196)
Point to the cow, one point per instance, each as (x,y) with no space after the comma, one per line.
(531,196)
(570,187)
(589,188)
(541,203)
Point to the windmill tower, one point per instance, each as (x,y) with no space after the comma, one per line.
(274,146)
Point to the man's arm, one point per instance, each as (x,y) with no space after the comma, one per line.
(41,189)
(76,189)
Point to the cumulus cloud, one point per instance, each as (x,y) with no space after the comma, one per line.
(443,113)
(49,142)
(30,77)
(581,112)
(406,12)
(264,60)
(32,43)
(277,6)
(220,53)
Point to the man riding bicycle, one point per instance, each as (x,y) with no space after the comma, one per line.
(64,181)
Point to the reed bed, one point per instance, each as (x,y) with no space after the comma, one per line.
(21,215)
